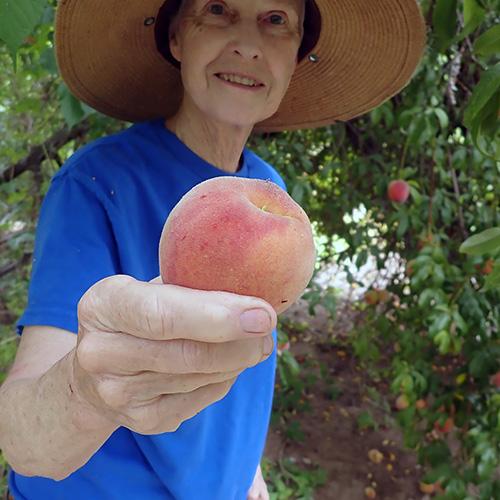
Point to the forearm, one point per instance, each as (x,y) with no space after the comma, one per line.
(45,428)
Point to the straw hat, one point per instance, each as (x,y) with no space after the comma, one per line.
(355,55)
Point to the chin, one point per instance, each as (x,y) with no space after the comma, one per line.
(236,118)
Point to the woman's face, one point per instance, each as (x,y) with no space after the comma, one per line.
(257,38)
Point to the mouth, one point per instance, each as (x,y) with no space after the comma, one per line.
(254,88)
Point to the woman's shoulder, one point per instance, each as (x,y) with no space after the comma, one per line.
(110,155)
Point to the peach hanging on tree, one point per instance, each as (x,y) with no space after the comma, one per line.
(398,191)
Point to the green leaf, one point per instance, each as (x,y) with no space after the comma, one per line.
(486,242)
(442,340)
(485,130)
(488,43)
(483,92)
(474,15)
(376,115)
(366,421)
(18,19)
(298,192)
(442,117)
(362,258)
(48,60)
(444,21)
(403,224)
(425,297)
(441,322)
(460,322)
(438,276)
(71,109)
(416,129)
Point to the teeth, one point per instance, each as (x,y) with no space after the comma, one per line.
(238,79)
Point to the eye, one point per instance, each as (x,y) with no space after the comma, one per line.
(216,8)
(277,19)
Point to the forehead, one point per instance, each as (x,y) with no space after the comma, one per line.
(258,3)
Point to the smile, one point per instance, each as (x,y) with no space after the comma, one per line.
(243,86)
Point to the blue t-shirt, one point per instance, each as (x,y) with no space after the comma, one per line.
(103,215)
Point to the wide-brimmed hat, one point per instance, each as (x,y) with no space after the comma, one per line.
(355,55)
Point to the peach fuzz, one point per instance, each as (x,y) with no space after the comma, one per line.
(239,235)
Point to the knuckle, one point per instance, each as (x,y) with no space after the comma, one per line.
(159,315)
(111,392)
(221,317)
(87,353)
(197,355)
(85,305)
(92,300)
(167,315)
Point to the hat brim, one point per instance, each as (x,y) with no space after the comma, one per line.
(107,55)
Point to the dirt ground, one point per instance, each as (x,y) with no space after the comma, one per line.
(333,439)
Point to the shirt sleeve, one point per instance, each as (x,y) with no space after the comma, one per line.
(74,249)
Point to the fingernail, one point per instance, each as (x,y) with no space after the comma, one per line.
(256,321)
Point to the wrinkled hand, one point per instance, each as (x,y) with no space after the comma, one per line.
(150,356)
(258,491)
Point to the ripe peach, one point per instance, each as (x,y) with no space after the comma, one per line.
(446,427)
(245,236)
(427,488)
(398,191)
(402,402)
(421,404)
(495,380)
(371,297)
(370,492)
(383,296)
(488,267)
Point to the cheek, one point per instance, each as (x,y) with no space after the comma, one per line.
(283,63)
(284,73)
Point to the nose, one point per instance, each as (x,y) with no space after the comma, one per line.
(247,40)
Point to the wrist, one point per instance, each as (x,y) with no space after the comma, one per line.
(86,417)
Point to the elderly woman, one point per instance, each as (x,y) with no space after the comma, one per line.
(143,402)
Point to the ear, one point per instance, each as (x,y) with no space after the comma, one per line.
(174,45)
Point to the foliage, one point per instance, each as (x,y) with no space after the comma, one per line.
(441,135)
(287,480)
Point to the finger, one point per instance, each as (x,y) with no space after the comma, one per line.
(167,412)
(123,304)
(123,354)
(146,387)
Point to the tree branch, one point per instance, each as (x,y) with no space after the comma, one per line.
(12,266)
(5,238)
(39,153)
(456,189)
